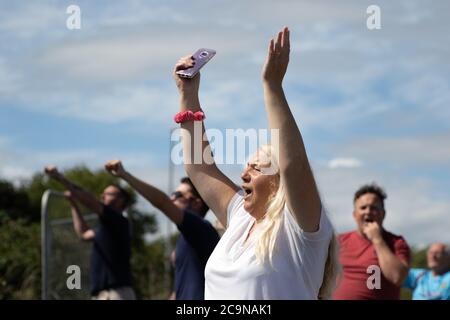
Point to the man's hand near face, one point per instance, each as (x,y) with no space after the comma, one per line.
(373,231)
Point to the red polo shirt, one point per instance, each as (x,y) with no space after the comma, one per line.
(356,255)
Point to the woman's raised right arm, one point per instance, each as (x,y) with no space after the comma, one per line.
(215,188)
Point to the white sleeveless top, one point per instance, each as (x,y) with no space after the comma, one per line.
(233,271)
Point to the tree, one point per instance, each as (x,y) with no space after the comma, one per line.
(20,267)
(14,202)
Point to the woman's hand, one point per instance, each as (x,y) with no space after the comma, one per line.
(186,86)
(277,59)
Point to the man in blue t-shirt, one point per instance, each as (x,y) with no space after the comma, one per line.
(110,270)
(433,284)
(198,237)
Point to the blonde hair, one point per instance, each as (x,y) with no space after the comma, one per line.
(265,246)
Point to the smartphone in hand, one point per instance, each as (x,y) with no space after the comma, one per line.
(201,57)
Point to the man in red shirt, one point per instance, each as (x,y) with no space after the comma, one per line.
(375,262)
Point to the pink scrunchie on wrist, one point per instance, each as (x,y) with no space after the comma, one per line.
(184,116)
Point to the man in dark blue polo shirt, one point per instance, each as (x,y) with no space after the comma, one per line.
(196,242)
(110,271)
(198,237)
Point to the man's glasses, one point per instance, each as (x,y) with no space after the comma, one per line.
(177,195)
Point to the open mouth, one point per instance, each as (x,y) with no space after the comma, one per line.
(368,220)
(247,191)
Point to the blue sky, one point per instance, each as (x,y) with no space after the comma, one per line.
(373,105)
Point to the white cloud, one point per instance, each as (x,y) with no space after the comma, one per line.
(22,163)
(413,13)
(423,150)
(15,173)
(344,163)
(153,105)
(100,59)
(123,58)
(428,91)
(17,165)
(4,141)
(9,78)
(30,19)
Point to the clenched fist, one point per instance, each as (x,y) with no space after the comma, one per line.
(372,230)
(115,167)
(52,172)
(186,86)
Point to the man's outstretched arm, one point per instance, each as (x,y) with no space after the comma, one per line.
(78,193)
(79,224)
(155,196)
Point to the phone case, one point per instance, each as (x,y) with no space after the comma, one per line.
(201,57)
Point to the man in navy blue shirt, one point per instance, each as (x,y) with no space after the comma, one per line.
(198,237)
(110,271)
